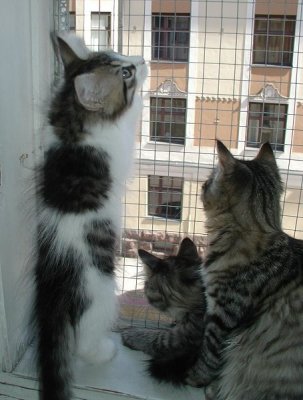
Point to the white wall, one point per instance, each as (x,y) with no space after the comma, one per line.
(219,31)
(24,85)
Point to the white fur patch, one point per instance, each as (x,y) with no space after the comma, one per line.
(67,231)
(117,139)
(94,342)
(64,231)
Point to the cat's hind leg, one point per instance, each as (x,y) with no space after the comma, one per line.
(95,344)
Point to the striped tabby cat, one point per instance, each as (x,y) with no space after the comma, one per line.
(174,286)
(253,272)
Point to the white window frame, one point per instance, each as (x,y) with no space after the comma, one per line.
(98,30)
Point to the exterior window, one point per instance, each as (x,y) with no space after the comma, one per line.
(165,196)
(274,40)
(72,21)
(170,37)
(167,120)
(100,30)
(267,122)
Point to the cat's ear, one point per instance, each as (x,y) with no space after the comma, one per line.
(266,153)
(95,89)
(188,249)
(89,91)
(226,159)
(151,261)
(69,47)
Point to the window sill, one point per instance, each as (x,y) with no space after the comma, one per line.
(271,66)
(253,151)
(162,219)
(164,146)
(123,377)
(168,62)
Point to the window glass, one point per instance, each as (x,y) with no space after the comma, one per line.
(170,37)
(165,196)
(267,122)
(168,120)
(273,40)
(100,30)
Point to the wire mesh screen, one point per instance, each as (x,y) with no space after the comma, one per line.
(229,69)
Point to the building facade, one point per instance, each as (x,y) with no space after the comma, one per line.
(217,69)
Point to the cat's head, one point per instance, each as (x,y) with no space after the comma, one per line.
(249,191)
(99,83)
(174,284)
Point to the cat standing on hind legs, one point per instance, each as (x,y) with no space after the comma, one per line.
(252,345)
(80,182)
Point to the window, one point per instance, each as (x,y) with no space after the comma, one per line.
(100,30)
(274,40)
(72,21)
(170,37)
(267,122)
(167,120)
(165,196)
(219,84)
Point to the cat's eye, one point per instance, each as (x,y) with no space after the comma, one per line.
(126,73)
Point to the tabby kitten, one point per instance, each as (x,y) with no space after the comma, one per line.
(93,118)
(174,286)
(253,272)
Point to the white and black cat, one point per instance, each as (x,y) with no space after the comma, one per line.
(93,118)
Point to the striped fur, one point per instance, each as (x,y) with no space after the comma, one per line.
(93,118)
(174,286)
(253,340)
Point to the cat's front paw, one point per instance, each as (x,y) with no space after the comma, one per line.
(197,376)
(132,337)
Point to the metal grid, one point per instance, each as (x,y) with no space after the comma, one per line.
(224,69)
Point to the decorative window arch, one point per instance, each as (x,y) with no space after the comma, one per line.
(269,94)
(168,88)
